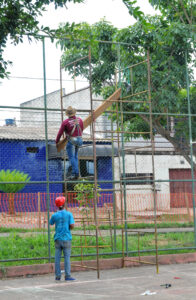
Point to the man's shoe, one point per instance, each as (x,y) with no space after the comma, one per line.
(57,278)
(69,279)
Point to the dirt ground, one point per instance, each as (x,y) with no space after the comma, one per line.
(39,220)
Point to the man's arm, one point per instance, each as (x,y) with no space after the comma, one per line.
(60,133)
(71,221)
(52,221)
(71,226)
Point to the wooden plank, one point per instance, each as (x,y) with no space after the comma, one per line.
(97,112)
(101,108)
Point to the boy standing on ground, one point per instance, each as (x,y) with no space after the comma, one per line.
(73,128)
(64,222)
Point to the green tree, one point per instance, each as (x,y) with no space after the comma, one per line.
(183,11)
(168,41)
(12,188)
(19,18)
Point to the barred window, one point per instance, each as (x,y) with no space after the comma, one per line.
(138,178)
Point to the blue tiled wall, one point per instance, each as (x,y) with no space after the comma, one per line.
(14,155)
(104,172)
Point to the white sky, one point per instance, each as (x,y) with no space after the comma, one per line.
(27,58)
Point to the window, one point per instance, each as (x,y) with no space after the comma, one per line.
(32,149)
(144,178)
(86,168)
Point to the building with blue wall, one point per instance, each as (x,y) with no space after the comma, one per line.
(24,149)
(23,144)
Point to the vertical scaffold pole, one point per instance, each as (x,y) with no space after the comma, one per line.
(64,151)
(113,185)
(191,144)
(61,92)
(119,157)
(46,143)
(153,151)
(95,165)
(123,158)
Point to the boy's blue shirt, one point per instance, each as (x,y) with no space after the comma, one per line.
(62,220)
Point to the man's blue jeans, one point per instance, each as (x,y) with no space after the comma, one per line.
(64,246)
(72,151)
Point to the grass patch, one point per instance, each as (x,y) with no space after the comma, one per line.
(22,230)
(144,225)
(36,246)
(104,227)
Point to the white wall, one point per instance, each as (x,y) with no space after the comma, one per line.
(140,197)
(80,100)
(35,118)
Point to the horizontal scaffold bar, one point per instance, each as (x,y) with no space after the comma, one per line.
(129,67)
(75,61)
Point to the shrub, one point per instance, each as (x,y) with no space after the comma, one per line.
(12,188)
(14,176)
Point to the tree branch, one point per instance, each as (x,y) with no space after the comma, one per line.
(184,10)
(179,14)
(166,134)
(191,12)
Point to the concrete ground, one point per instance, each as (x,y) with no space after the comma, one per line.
(127,283)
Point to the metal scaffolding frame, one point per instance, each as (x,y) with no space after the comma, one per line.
(125,230)
(121,157)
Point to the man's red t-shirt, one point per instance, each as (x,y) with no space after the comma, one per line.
(67,126)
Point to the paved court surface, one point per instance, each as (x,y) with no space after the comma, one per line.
(127,283)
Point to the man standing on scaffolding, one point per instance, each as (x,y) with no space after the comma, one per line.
(73,128)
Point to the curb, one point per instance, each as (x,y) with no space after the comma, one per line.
(104,264)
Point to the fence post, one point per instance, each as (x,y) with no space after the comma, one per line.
(39,210)
(187,207)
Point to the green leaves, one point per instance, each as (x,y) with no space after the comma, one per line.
(19,18)
(134,10)
(138,14)
(13,176)
(103,55)
(85,192)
